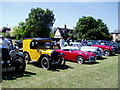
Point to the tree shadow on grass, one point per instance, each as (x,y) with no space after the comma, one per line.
(60,67)
(103,58)
(53,67)
(15,75)
(112,55)
(93,63)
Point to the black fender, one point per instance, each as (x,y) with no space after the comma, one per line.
(45,55)
(25,52)
(20,54)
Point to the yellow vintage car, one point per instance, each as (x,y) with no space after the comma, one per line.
(39,49)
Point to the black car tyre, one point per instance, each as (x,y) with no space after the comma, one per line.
(80,60)
(19,63)
(106,52)
(27,58)
(45,63)
(61,61)
(113,52)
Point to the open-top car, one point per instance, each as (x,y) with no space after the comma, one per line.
(98,51)
(12,61)
(39,49)
(74,54)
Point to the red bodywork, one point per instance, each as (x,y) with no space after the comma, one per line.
(104,47)
(72,55)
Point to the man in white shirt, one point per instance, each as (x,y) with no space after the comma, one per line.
(4,42)
(61,42)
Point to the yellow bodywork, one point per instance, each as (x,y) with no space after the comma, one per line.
(35,54)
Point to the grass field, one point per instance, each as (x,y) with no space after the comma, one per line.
(102,74)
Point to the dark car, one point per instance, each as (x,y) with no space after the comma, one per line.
(12,61)
(19,44)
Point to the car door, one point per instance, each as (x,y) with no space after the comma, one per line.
(68,54)
(34,52)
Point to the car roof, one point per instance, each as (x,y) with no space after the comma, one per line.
(41,39)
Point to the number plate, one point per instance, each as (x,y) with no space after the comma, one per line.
(7,69)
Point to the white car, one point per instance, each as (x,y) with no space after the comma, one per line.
(98,51)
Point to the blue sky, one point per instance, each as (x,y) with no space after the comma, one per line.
(65,12)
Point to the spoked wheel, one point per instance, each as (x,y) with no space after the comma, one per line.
(27,58)
(61,61)
(106,52)
(45,63)
(80,60)
(19,63)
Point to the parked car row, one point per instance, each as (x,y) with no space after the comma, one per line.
(106,46)
(39,49)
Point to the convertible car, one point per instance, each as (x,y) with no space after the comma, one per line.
(98,51)
(74,54)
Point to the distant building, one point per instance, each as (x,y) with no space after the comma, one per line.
(5,30)
(60,32)
(116,35)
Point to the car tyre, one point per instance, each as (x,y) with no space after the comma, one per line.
(45,63)
(106,52)
(80,60)
(27,57)
(113,52)
(62,61)
(19,63)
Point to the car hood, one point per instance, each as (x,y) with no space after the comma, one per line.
(47,52)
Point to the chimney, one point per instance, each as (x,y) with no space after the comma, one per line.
(65,26)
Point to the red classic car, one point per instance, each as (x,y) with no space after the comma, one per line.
(108,50)
(73,54)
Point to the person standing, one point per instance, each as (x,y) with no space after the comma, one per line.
(61,42)
(68,41)
(4,42)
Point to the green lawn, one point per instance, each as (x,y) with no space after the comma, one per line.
(102,74)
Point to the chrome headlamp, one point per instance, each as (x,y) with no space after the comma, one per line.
(86,54)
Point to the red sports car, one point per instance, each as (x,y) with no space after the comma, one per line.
(107,49)
(74,54)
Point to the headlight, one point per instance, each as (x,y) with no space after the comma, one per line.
(8,61)
(86,54)
(2,62)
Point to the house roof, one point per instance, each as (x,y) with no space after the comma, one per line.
(65,30)
(116,32)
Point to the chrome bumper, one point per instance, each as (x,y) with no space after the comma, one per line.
(98,55)
(91,59)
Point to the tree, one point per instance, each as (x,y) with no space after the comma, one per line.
(90,28)
(20,32)
(40,22)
